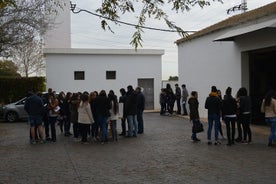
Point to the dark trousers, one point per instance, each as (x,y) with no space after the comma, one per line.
(140,121)
(163,108)
(113,125)
(95,129)
(67,124)
(239,126)
(123,124)
(245,120)
(52,122)
(76,129)
(84,129)
(178,104)
(46,127)
(230,129)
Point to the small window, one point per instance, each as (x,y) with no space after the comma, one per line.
(79,75)
(110,75)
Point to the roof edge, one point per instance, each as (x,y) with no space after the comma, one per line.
(103,51)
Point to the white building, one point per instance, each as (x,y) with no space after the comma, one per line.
(74,70)
(90,70)
(239,51)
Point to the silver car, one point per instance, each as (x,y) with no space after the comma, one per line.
(15,111)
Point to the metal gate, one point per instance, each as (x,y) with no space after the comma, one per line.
(147,86)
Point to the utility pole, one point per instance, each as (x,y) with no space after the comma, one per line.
(241,7)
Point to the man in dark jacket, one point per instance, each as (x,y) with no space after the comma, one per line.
(131,111)
(140,109)
(35,109)
(213,105)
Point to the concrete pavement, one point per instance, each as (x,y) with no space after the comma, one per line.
(163,154)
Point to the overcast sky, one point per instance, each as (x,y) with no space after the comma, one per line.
(87,32)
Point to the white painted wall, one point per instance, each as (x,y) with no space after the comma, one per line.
(60,35)
(128,64)
(204,63)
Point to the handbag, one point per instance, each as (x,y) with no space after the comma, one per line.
(197,127)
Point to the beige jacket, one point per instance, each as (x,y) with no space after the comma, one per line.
(270,111)
(85,115)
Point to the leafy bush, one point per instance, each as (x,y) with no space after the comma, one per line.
(13,89)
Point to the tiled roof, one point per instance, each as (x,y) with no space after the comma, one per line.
(263,11)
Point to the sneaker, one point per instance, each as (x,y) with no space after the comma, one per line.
(32,142)
(238,140)
(209,143)
(42,141)
(217,142)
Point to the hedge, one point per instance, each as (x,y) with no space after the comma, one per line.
(13,89)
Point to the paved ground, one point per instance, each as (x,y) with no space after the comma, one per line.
(163,154)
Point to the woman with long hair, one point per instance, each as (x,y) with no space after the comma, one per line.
(269,108)
(85,117)
(114,114)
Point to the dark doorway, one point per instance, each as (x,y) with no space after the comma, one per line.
(262,66)
(147,86)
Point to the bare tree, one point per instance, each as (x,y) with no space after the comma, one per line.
(22,21)
(28,58)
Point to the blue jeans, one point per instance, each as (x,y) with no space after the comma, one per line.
(211,119)
(272,124)
(103,125)
(132,125)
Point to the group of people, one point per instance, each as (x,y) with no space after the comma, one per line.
(168,97)
(90,114)
(233,111)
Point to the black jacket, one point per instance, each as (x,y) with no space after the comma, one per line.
(102,106)
(131,103)
(193,105)
(213,104)
(229,105)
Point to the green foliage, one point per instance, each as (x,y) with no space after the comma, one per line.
(13,89)
(173,78)
(112,10)
(8,69)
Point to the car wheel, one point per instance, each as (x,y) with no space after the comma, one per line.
(11,116)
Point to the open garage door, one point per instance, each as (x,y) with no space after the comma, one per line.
(262,66)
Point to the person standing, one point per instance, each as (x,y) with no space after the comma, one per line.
(67,114)
(162,101)
(85,117)
(213,105)
(194,115)
(53,107)
(131,111)
(114,114)
(269,108)
(35,109)
(95,125)
(220,127)
(102,106)
(245,114)
(170,99)
(140,109)
(185,95)
(74,105)
(229,112)
(178,98)
(122,108)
